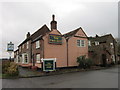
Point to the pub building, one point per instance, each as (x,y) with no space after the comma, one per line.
(48,43)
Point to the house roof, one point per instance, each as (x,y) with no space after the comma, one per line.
(16,50)
(101,38)
(40,32)
(71,33)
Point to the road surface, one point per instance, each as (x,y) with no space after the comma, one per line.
(107,78)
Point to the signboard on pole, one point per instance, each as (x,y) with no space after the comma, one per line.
(10,47)
(49,64)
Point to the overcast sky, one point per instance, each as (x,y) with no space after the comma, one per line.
(18,18)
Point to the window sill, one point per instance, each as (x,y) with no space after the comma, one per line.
(38,48)
(38,62)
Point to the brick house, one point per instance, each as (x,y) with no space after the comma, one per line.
(103,49)
(50,43)
(77,45)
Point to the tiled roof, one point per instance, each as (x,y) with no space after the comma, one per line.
(100,38)
(40,32)
(69,34)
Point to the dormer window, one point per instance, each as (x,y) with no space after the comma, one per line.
(37,44)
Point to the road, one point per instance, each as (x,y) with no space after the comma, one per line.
(107,78)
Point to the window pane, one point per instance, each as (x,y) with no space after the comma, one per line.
(82,43)
(78,42)
(37,44)
(26,59)
(38,58)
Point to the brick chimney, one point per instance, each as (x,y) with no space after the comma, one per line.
(53,23)
(28,34)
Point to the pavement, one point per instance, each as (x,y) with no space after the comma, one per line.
(105,78)
(25,72)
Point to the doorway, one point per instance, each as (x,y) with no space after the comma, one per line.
(104,60)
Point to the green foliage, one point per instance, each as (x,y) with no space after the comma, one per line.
(10,68)
(88,63)
(84,62)
(5,65)
(13,69)
(81,61)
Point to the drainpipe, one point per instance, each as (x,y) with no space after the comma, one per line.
(67,51)
(115,51)
(43,54)
(43,48)
(32,56)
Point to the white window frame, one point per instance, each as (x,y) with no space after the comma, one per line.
(96,43)
(111,44)
(89,43)
(20,49)
(38,58)
(23,58)
(113,58)
(37,44)
(79,43)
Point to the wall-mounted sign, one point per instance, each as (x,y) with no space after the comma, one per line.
(10,46)
(49,64)
(55,39)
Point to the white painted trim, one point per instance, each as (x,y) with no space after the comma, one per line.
(47,59)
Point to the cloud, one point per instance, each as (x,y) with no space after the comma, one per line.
(20,17)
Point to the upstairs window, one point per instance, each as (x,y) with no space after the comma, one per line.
(96,43)
(23,46)
(37,44)
(111,44)
(20,49)
(78,42)
(89,43)
(27,45)
(81,43)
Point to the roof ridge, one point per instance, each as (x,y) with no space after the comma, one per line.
(39,29)
(73,30)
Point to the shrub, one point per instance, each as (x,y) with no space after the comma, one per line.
(10,68)
(81,61)
(84,62)
(88,63)
(5,65)
(13,69)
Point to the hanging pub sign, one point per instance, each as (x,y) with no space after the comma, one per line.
(55,39)
(10,46)
(49,64)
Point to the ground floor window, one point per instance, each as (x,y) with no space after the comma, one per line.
(37,58)
(113,58)
(26,58)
